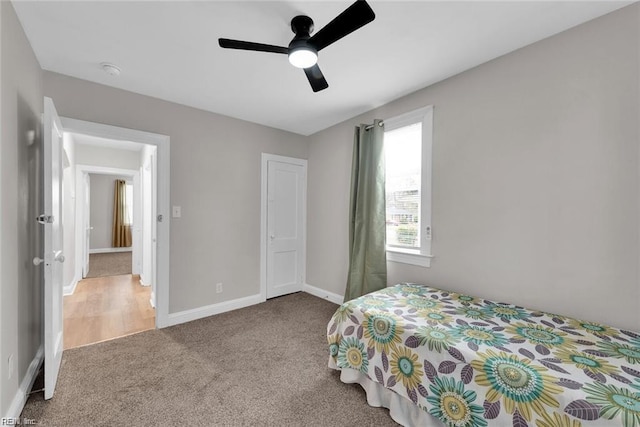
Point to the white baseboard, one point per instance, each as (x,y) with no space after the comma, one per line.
(210,310)
(152,300)
(143,283)
(70,288)
(213,309)
(321,293)
(17,404)
(109,250)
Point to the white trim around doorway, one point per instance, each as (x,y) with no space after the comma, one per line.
(162,142)
(266,158)
(81,172)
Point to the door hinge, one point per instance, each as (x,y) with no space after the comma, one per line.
(45,219)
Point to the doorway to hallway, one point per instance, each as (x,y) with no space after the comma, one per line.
(104,308)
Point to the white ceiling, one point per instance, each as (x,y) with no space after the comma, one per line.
(169,50)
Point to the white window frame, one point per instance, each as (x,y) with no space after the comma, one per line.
(421,257)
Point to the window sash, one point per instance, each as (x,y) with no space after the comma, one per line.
(403,184)
(420,253)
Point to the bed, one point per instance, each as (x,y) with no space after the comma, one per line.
(441,358)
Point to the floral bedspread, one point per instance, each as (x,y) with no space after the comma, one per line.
(473,362)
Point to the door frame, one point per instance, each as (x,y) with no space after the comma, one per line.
(82,171)
(82,227)
(264,204)
(162,143)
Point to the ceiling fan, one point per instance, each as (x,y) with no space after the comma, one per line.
(303,49)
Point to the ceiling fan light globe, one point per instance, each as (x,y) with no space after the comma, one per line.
(303,58)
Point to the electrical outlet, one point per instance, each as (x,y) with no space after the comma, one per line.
(218,288)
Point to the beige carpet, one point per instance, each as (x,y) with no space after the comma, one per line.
(264,365)
(109,264)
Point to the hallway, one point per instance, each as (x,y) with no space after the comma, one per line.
(104,308)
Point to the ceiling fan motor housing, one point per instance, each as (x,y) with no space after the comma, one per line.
(302,26)
(302,54)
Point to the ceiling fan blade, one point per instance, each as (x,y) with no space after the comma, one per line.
(354,17)
(260,47)
(316,79)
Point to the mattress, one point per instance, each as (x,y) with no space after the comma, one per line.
(467,361)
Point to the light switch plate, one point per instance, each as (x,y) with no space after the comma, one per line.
(176,212)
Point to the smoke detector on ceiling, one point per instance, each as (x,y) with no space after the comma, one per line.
(111,69)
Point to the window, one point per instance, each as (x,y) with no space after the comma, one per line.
(407,144)
(128,205)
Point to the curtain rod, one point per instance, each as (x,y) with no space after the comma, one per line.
(381,123)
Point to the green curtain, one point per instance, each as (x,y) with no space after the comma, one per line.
(367,234)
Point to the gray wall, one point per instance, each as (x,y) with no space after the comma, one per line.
(215,178)
(106,157)
(21,237)
(535,178)
(101,210)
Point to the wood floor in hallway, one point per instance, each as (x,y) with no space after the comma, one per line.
(104,308)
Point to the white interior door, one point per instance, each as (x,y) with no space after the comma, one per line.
(53,256)
(87,224)
(286,188)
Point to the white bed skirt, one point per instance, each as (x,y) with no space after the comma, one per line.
(402,411)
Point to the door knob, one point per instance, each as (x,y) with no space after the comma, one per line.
(59,257)
(37,261)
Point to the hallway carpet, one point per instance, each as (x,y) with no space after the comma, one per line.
(109,264)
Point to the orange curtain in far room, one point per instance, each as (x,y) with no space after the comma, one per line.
(121,233)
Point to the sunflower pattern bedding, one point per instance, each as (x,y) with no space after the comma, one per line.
(472,362)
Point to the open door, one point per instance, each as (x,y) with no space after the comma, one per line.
(53,256)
